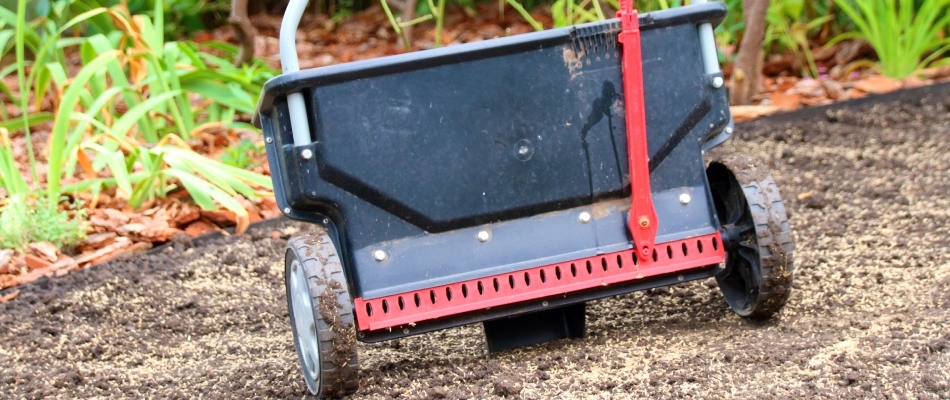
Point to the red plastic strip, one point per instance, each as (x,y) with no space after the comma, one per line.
(643,220)
(536,283)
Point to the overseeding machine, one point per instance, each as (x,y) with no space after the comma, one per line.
(509,182)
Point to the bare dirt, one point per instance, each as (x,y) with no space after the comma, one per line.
(868,192)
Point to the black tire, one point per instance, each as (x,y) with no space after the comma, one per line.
(331,334)
(757,278)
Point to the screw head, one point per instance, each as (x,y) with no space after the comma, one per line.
(717,82)
(729,130)
(584,217)
(286,210)
(544,304)
(326,221)
(685,198)
(269,140)
(644,221)
(483,236)
(306,154)
(379,255)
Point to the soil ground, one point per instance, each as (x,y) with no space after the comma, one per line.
(867,188)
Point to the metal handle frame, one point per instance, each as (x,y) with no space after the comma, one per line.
(289,62)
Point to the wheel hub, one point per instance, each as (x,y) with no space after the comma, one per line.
(304,323)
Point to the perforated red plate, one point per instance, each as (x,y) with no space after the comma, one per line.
(536,283)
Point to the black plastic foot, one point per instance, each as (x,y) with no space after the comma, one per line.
(533,328)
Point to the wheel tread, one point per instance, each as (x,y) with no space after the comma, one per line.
(773,234)
(337,339)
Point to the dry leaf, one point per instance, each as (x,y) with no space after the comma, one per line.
(199,228)
(64,262)
(118,244)
(8,281)
(834,89)
(786,101)
(98,240)
(220,217)
(116,215)
(809,88)
(6,255)
(46,250)
(877,84)
(743,113)
(36,263)
(9,296)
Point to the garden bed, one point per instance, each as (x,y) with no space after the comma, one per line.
(866,185)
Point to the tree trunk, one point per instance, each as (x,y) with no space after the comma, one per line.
(747,72)
(244,30)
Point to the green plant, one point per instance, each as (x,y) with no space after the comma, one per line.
(242,154)
(524,14)
(906,37)
(790,29)
(569,12)
(399,26)
(22,223)
(124,118)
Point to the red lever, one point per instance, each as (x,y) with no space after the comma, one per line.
(643,220)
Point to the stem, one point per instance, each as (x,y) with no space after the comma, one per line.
(24,89)
(438,23)
(524,14)
(395,24)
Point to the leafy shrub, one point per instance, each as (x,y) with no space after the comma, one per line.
(22,223)
(905,35)
(124,119)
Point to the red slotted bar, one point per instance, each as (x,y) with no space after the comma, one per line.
(643,221)
(536,283)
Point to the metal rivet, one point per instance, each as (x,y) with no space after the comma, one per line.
(287,210)
(584,217)
(306,154)
(326,221)
(405,331)
(269,140)
(483,236)
(379,255)
(680,278)
(685,198)
(718,82)
(644,222)
(729,130)
(544,304)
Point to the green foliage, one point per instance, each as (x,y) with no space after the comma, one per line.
(184,16)
(124,118)
(242,154)
(524,14)
(399,25)
(570,12)
(790,29)
(906,37)
(22,223)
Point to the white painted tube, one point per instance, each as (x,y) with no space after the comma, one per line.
(707,46)
(290,63)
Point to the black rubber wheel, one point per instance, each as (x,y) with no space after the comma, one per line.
(321,315)
(757,278)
